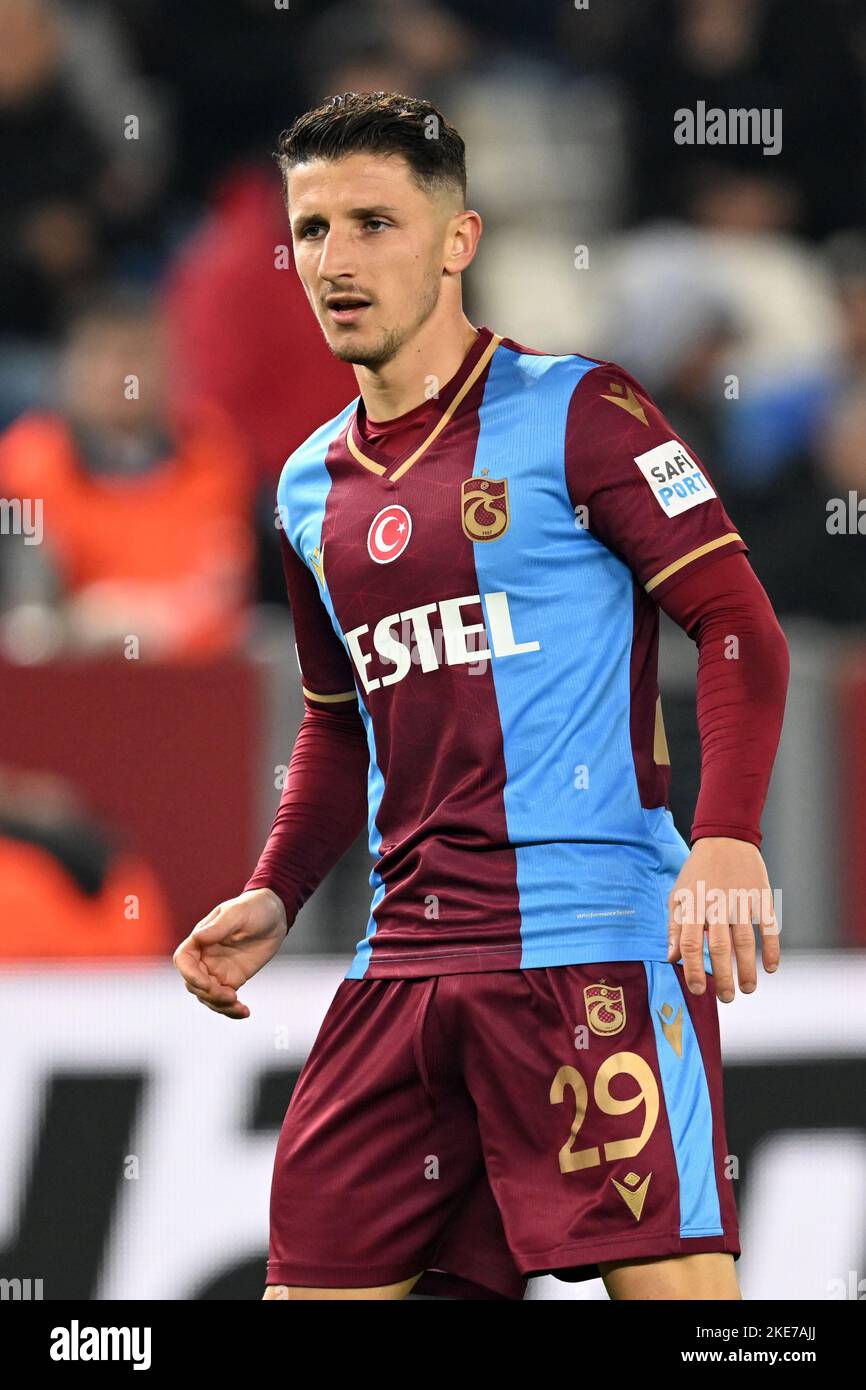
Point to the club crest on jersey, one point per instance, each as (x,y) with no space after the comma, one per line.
(389,533)
(484,508)
(605,1008)
(676,480)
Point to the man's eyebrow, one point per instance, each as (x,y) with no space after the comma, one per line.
(360,214)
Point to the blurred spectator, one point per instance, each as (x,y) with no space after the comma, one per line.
(233,72)
(736,331)
(130,115)
(672,316)
(49,241)
(145,513)
(847,260)
(410,46)
(68,888)
(240,329)
(807,533)
(72,183)
(790,55)
(241,334)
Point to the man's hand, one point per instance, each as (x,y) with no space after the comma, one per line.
(226,948)
(723,885)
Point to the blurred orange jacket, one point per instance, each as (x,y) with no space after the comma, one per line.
(44,913)
(182,532)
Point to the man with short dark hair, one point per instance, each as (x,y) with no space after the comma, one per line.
(521,1071)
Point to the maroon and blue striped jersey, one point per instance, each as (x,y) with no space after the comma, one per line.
(488,601)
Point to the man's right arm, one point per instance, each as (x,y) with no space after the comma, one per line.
(323,807)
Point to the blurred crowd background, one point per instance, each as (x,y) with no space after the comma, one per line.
(159,361)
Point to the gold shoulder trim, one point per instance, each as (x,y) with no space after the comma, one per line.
(330,699)
(687,559)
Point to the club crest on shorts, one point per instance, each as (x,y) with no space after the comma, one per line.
(484,508)
(605,1008)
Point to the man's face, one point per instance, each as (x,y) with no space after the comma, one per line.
(96,365)
(369,246)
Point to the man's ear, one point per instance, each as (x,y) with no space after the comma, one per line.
(464,234)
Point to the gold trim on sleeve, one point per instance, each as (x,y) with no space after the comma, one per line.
(438,427)
(661,755)
(687,559)
(330,699)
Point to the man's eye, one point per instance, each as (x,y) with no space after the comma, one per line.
(376,221)
(305,231)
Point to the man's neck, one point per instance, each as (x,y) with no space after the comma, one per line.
(404,382)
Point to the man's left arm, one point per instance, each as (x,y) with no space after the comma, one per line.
(651,500)
(743,667)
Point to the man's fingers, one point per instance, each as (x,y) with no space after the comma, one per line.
(769,928)
(229,1008)
(692,952)
(213,993)
(676,914)
(203,921)
(222,999)
(719,935)
(236,1010)
(686,938)
(188,962)
(744,947)
(770,952)
(217,927)
(191,956)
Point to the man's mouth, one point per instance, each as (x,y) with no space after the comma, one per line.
(347,308)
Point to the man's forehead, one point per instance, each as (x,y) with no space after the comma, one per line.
(355,179)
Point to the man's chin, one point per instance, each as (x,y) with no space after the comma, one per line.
(349,351)
(358,351)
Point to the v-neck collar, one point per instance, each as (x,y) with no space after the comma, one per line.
(444,407)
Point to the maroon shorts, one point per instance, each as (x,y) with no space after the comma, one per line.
(490,1126)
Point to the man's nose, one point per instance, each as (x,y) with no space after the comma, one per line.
(336,261)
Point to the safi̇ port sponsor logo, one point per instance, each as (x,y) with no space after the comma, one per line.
(676,480)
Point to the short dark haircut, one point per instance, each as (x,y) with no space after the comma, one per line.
(379,123)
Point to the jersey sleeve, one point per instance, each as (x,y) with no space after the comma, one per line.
(740,704)
(647,496)
(323,806)
(326,672)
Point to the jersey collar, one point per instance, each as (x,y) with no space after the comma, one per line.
(443,408)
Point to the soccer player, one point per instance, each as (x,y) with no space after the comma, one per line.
(520,1072)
